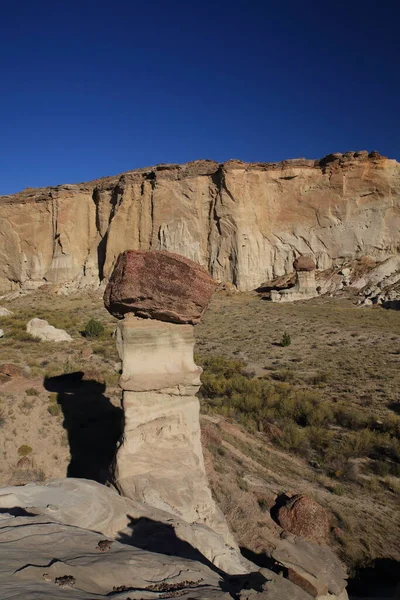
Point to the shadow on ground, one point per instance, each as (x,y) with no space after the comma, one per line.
(160,538)
(93,424)
(379,579)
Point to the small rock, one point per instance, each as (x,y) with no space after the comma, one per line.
(104,545)
(65,581)
(4,312)
(1,333)
(86,353)
(41,329)
(9,371)
(25,463)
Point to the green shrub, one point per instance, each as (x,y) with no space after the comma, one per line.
(286,340)
(93,328)
(24,450)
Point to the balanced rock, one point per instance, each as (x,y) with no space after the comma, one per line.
(39,328)
(304,263)
(303,516)
(158,285)
(160,460)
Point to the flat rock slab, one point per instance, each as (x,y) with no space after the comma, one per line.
(158,285)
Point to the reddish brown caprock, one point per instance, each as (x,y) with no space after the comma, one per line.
(303,516)
(158,285)
(304,263)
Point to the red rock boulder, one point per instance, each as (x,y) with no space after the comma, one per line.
(304,263)
(158,285)
(303,516)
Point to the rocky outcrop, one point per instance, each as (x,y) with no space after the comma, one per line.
(304,286)
(245,223)
(74,538)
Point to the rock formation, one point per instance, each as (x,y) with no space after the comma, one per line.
(158,285)
(160,461)
(304,287)
(41,329)
(245,223)
(74,538)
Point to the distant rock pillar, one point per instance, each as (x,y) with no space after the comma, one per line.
(159,296)
(305,286)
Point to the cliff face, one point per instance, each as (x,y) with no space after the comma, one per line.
(245,222)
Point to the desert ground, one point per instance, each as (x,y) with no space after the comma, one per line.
(317,416)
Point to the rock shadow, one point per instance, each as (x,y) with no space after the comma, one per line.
(160,538)
(93,424)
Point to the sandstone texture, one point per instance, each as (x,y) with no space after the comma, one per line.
(39,328)
(75,538)
(244,222)
(158,285)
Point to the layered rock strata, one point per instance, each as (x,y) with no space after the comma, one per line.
(160,461)
(244,222)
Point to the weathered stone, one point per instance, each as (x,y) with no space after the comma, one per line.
(9,371)
(303,516)
(4,312)
(304,263)
(304,289)
(158,285)
(244,222)
(39,328)
(156,355)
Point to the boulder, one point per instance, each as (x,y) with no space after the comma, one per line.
(158,285)
(39,328)
(303,516)
(304,263)
(9,371)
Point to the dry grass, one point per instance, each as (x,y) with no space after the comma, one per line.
(337,380)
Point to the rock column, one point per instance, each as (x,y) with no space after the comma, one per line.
(160,460)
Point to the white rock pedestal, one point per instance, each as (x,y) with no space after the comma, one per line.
(304,289)
(160,460)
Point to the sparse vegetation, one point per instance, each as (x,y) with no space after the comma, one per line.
(32,392)
(24,450)
(286,340)
(310,425)
(93,329)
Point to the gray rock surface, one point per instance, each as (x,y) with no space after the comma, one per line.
(77,539)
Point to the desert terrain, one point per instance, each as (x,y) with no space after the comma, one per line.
(318,416)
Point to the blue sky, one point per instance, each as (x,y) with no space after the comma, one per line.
(94,88)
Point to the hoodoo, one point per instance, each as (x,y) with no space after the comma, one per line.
(160,460)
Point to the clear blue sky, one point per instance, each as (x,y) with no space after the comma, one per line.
(94,87)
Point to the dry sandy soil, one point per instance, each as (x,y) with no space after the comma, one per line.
(349,355)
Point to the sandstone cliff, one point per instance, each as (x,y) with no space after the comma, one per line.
(244,222)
